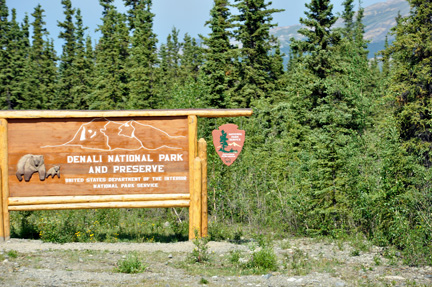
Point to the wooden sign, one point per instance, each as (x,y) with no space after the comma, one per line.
(98,156)
(228,141)
(52,160)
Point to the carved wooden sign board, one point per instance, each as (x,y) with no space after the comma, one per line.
(53,160)
(98,156)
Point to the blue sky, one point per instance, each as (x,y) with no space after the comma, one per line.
(186,15)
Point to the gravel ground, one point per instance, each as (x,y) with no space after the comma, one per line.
(303,262)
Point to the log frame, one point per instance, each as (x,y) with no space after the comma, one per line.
(196,200)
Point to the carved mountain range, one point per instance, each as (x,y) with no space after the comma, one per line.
(106,135)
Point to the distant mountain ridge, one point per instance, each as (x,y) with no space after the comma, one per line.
(378,18)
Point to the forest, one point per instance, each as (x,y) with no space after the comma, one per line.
(338,145)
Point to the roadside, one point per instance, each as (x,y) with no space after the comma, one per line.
(301,262)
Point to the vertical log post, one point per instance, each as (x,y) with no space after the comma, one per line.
(193,135)
(195,202)
(4,212)
(202,153)
(2,237)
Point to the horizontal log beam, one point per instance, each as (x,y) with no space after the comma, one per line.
(94,205)
(210,113)
(13,201)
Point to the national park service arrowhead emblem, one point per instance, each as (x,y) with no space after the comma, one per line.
(228,141)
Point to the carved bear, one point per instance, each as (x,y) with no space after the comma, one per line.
(53,171)
(29,164)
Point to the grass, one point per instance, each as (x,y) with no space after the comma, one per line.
(12,254)
(132,264)
(100,225)
(301,259)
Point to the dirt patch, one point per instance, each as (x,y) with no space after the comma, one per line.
(303,262)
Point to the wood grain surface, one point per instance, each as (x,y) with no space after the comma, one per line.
(101,156)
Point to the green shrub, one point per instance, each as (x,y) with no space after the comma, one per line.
(263,260)
(235,256)
(200,253)
(131,264)
(12,253)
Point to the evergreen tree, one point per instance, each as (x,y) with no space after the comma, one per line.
(173,52)
(65,98)
(14,73)
(169,64)
(83,64)
(110,79)
(328,79)
(5,93)
(217,70)
(318,49)
(143,56)
(411,79)
(191,58)
(41,66)
(256,77)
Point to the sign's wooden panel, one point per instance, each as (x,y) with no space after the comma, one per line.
(99,156)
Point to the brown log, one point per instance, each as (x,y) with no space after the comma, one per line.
(192,138)
(125,113)
(91,205)
(202,153)
(94,198)
(2,238)
(195,204)
(5,230)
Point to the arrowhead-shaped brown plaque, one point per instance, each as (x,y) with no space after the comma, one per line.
(228,141)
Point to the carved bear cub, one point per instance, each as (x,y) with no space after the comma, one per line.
(53,171)
(29,164)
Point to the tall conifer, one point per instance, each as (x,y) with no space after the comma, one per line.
(65,97)
(15,72)
(143,56)
(411,78)
(217,71)
(83,65)
(41,65)
(328,77)
(110,79)
(256,77)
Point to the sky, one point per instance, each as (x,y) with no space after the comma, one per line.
(188,16)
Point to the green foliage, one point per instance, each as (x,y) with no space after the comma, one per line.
(200,253)
(217,71)
(256,69)
(110,79)
(41,67)
(132,264)
(109,225)
(12,253)
(263,260)
(410,80)
(143,57)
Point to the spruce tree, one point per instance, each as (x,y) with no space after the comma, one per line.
(83,65)
(191,59)
(255,63)
(67,74)
(110,79)
(169,64)
(328,82)
(5,93)
(217,70)
(143,56)
(15,72)
(411,79)
(41,66)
